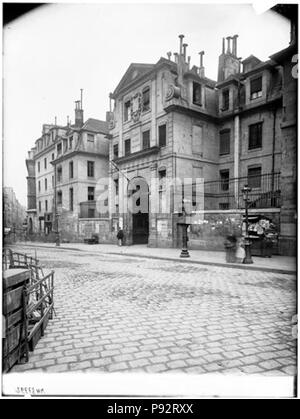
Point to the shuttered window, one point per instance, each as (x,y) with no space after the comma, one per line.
(255,136)
(225,142)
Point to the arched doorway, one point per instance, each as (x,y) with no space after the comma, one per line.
(138,205)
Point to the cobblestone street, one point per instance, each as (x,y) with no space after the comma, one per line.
(117,313)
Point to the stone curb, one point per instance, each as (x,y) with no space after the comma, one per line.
(207,263)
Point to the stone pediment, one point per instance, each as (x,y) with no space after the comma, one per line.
(134,72)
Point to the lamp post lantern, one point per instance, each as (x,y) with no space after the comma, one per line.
(248,259)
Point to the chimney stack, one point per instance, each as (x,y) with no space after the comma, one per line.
(184,51)
(201,68)
(78,114)
(228,45)
(223,45)
(234,46)
(55,121)
(169,54)
(68,121)
(176,57)
(181,41)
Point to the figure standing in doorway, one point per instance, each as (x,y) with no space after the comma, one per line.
(120,237)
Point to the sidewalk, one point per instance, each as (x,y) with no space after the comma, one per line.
(279,264)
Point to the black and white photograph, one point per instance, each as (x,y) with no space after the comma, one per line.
(149,194)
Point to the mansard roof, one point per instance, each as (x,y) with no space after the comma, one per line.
(95,125)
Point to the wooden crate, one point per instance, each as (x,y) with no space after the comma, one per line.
(14,342)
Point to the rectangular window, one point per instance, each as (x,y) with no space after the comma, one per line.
(46,206)
(40,206)
(127,147)
(59,174)
(91,169)
(59,149)
(146,139)
(39,186)
(116,151)
(71,170)
(52,156)
(225,100)
(91,193)
(254,177)
(197,94)
(255,136)
(162,135)
(71,202)
(39,166)
(71,143)
(224,177)
(162,191)
(90,137)
(59,197)
(45,163)
(116,182)
(224,142)
(256,88)
(127,111)
(52,181)
(46,184)
(146,99)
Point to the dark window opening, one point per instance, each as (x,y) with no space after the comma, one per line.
(224,177)
(162,135)
(71,170)
(71,199)
(45,163)
(146,139)
(254,177)
(225,100)
(59,174)
(146,99)
(40,206)
(116,151)
(197,94)
(255,136)
(127,111)
(91,169)
(225,142)
(70,143)
(46,184)
(90,137)
(91,212)
(39,186)
(59,198)
(91,193)
(256,88)
(59,149)
(127,147)
(46,205)
(39,167)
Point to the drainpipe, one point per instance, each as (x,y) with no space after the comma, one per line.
(273,157)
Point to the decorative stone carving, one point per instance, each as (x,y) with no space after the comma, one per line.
(136,107)
(173,92)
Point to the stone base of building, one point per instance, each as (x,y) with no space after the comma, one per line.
(288,246)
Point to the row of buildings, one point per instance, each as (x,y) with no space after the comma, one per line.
(168,123)
(14,214)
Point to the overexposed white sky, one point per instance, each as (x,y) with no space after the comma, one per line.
(54,51)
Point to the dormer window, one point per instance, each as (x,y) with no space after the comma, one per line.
(197,94)
(90,138)
(146,99)
(71,143)
(127,111)
(225,100)
(256,88)
(59,149)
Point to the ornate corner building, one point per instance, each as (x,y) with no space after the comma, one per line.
(172,122)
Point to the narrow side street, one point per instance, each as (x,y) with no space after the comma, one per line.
(119,313)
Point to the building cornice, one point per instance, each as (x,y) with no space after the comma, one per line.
(137,155)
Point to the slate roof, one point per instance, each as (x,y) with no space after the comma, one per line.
(95,125)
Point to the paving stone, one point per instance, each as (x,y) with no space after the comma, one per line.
(271,364)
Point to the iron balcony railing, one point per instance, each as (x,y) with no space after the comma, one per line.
(227,193)
(88,209)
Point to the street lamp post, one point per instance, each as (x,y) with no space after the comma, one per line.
(248,259)
(185,224)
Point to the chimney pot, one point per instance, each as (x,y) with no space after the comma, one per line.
(228,45)
(184,50)
(169,54)
(181,41)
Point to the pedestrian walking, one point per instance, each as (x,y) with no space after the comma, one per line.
(120,237)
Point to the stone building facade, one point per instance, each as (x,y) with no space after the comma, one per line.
(14,215)
(63,170)
(172,122)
